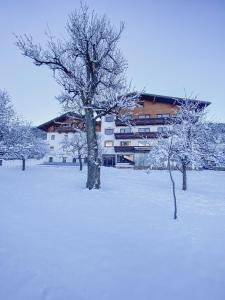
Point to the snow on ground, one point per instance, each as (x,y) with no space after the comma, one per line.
(59,241)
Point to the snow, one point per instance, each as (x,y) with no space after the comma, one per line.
(59,241)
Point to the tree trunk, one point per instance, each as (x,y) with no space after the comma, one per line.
(184,175)
(174,192)
(23,164)
(93,162)
(80,162)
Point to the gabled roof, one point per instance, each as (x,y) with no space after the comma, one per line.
(172,100)
(61,118)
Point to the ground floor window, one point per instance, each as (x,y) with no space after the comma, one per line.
(108,160)
(125,158)
(74,160)
(64,160)
(50,159)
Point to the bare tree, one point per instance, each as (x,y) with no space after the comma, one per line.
(91,70)
(189,135)
(76,145)
(6,117)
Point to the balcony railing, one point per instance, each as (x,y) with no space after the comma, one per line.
(146,121)
(132,149)
(136,135)
(65,129)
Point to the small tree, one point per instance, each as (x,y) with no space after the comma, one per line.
(91,70)
(189,134)
(23,144)
(76,145)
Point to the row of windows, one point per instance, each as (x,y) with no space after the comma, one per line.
(53,136)
(109,144)
(110,118)
(110,131)
(64,160)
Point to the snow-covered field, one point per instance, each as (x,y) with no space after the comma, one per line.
(59,241)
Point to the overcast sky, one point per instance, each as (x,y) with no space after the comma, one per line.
(170,45)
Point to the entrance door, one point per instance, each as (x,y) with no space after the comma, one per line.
(108,160)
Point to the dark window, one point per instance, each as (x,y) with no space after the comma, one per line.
(74,160)
(125,130)
(50,159)
(51,147)
(108,131)
(162,129)
(143,129)
(64,160)
(109,118)
(143,116)
(163,115)
(125,143)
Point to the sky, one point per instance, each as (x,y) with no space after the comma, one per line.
(172,47)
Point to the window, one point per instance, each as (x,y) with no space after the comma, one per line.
(52,137)
(109,131)
(127,158)
(163,115)
(143,129)
(143,116)
(67,125)
(162,129)
(125,130)
(64,160)
(109,118)
(51,147)
(143,143)
(125,143)
(74,160)
(108,143)
(50,159)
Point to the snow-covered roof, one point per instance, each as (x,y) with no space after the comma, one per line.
(171,100)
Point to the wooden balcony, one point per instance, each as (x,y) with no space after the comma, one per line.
(65,129)
(136,135)
(146,121)
(132,149)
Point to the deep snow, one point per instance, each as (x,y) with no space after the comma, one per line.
(59,241)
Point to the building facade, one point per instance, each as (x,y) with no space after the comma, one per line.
(124,143)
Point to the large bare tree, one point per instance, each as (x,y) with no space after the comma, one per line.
(91,69)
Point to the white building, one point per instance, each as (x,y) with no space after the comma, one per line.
(124,144)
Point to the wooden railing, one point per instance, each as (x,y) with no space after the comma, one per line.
(131,149)
(146,121)
(136,135)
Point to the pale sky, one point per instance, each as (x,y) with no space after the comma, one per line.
(170,45)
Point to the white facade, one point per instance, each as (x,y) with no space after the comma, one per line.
(115,138)
(120,151)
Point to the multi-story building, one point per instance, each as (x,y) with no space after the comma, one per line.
(124,143)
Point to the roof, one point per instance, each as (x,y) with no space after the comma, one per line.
(172,100)
(143,96)
(60,118)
